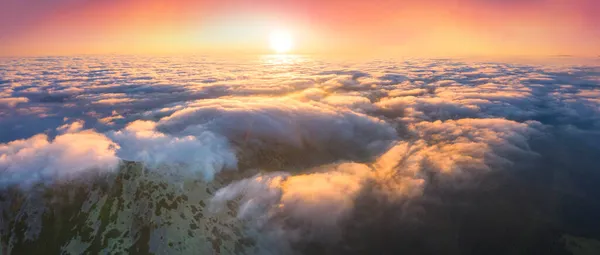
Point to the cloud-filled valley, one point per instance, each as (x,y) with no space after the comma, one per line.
(417,156)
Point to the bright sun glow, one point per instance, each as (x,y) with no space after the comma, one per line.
(280,41)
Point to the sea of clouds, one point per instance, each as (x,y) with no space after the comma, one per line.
(405,155)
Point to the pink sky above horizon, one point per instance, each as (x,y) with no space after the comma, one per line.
(336,27)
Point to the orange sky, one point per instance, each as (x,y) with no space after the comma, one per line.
(332,27)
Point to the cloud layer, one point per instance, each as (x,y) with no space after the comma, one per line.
(314,152)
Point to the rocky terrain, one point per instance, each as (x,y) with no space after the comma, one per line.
(131,212)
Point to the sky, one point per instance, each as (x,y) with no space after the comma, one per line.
(338,28)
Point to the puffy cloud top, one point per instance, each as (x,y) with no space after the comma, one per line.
(40,159)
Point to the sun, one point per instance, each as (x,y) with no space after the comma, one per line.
(281,41)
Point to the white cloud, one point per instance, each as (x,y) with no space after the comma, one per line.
(114,101)
(66,157)
(349,101)
(311,127)
(205,153)
(306,206)
(71,127)
(402,92)
(12,101)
